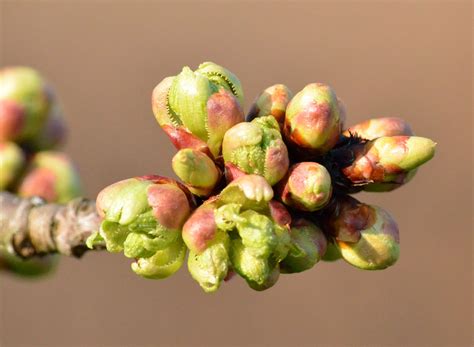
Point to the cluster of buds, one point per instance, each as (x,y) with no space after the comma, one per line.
(32,130)
(261,195)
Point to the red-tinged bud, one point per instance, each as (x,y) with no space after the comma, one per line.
(272,101)
(200,229)
(306,187)
(371,129)
(25,100)
(143,216)
(382,159)
(204,103)
(257,148)
(52,176)
(366,235)
(313,119)
(196,170)
(378,247)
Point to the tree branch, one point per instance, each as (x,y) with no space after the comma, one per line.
(30,227)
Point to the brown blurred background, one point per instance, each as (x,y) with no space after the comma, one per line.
(407,59)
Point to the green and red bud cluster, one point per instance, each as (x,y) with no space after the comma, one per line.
(143,217)
(261,197)
(31,131)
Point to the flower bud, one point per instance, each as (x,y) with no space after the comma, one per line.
(204,103)
(200,229)
(12,160)
(210,267)
(382,159)
(313,119)
(25,100)
(378,247)
(308,245)
(257,148)
(272,101)
(196,170)
(307,187)
(371,129)
(51,176)
(144,216)
(366,235)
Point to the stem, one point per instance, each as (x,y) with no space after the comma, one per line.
(31,227)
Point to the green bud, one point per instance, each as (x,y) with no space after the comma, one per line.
(272,101)
(313,119)
(206,103)
(211,266)
(371,129)
(308,245)
(378,247)
(257,148)
(52,176)
(196,170)
(144,216)
(306,187)
(25,100)
(380,160)
(12,160)
(367,236)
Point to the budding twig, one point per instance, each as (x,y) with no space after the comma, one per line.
(31,227)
